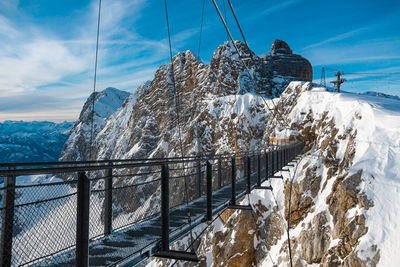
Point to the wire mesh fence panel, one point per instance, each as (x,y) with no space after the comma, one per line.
(96,209)
(187,182)
(135,198)
(263,167)
(44,222)
(215,174)
(226,169)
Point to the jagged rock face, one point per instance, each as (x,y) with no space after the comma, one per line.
(315,239)
(284,63)
(106,102)
(334,234)
(200,110)
(202,101)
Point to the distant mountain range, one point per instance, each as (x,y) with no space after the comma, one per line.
(22,141)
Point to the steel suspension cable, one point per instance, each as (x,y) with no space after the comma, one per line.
(241,60)
(201,28)
(223,5)
(178,124)
(244,39)
(94,82)
(237,22)
(226,27)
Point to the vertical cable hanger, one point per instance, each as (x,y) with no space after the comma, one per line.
(94,82)
(179,126)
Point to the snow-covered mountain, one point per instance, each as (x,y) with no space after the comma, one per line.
(207,107)
(344,191)
(216,106)
(35,141)
(106,102)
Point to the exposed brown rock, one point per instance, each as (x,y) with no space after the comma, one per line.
(315,240)
(280,47)
(285,63)
(241,252)
(301,201)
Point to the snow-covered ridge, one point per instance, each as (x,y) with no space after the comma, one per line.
(344,194)
(106,102)
(355,140)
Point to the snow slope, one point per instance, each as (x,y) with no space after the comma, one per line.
(367,142)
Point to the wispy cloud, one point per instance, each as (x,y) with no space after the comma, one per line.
(362,51)
(9,5)
(41,68)
(336,38)
(278,7)
(281,5)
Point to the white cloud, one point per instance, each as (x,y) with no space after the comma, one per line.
(43,66)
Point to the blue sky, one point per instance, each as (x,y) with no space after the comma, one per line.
(47,47)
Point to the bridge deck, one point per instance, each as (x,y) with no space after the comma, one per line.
(142,240)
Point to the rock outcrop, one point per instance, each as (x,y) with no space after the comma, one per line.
(284,63)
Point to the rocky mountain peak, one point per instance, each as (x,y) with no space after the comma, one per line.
(106,102)
(279,47)
(284,63)
(228,51)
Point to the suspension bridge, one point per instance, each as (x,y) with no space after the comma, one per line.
(120,212)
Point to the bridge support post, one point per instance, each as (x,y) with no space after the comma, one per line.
(7,217)
(199,176)
(164,251)
(266,165)
(248,174)
(219,172)
(164,208)
(272,162)
(258,170)
(233,176)
(82,221)
(108,201)
(209,191)
(284,156)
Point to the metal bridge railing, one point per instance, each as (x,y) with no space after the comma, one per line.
(53,223)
